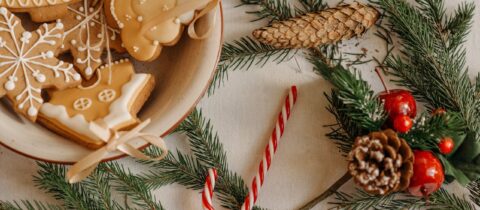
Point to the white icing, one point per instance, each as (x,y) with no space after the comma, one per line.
(20,59)
(107,95)
(119,109)
(77,123)
(31,3)
(97,37)
(82,104)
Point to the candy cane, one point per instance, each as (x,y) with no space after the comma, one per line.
(270,150)
(207,193)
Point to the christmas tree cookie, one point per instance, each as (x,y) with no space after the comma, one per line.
(39,10)
(111,103)
(148,25)
(28,63)
(87,35)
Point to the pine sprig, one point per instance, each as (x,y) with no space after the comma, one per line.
(474,188)
(311,6)
(344,131)
(361,105)
(361,200)
(433,58)
(126,183)
(28,205)
(51,179)
(429,129)
(190,171)
(243,54)
(274,10)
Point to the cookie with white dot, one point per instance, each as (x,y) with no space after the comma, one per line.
(143,34)
(87,36)
(39,10)
(28,63)
(109,102)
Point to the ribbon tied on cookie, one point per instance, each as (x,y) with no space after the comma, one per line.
(118,142)
(148,25)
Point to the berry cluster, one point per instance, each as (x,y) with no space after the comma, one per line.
(428,173)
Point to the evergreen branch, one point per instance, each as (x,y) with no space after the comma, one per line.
(131,186)
(362,200)
(29,205)
(243,54)
(361,105)
(310,6)
(51,179)
(474,188)
(182,169)
(205,144)
(207,149)
(98,184)
(428,130)
(434,62)
(344,131)
(274,10)
(191,171)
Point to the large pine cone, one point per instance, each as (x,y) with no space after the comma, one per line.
(381,162)
(323,27)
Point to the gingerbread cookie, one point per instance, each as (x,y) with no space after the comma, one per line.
(28,63)
(148,25)
(111,104)
(39,10)
(87,35)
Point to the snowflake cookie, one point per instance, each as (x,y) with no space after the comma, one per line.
(28,63)
(109,103)
(87,35)
(133,15)
(39,10)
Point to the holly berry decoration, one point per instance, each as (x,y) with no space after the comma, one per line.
(439,111)
(446,145)
(402,123)
(400,105)
(428,174)
(399,102)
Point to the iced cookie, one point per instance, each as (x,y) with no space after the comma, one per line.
(39,10)
(87,35)
(110,103)
(148,25)
(28,63)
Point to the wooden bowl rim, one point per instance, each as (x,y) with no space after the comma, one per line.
(166,132)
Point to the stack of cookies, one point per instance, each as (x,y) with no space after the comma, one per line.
(86,89)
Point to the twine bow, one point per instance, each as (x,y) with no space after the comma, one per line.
(118,142)
(188,6)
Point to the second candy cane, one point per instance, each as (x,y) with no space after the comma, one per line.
(270,150)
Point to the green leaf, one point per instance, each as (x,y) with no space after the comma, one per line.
(452,173)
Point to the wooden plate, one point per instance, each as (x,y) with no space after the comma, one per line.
(183,74)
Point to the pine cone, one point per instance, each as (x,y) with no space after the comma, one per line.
(323,27)
(381,162)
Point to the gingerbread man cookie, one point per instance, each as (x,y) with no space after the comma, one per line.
(148,25)
(87,35)
(39,10)
(111,104)
(28,63)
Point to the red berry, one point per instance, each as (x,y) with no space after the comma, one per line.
(446,145)
(428,174)
(439,111)
(402,123)
(399,102)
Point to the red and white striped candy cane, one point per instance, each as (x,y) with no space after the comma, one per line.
(207,193)
(271,148)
